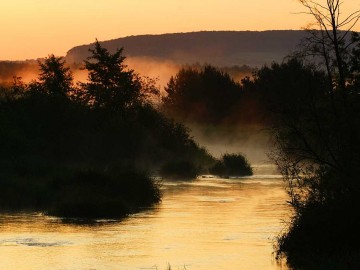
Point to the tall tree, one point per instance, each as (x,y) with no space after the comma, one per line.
(55,77)
(316,143)
(332,39)
(110,83)
(204,94)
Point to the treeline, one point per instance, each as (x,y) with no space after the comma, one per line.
(87,149)
(207,95)
(27,69)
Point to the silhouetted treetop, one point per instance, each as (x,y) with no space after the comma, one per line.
(110,83)
(55,77)
(201,94)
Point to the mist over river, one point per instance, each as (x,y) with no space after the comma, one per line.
(208,223)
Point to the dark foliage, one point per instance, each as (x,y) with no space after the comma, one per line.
(201,95)
(55,78)
(323,236)
(92,194)
(232,165)
(110,84)
(74,193)
(59,142)
(315,132)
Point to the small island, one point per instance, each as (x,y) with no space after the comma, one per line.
(232,165)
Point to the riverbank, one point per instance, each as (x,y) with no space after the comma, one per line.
(87,194)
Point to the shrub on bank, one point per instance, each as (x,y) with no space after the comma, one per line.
(92,194)
(84,194)
(232,165)
(322,237)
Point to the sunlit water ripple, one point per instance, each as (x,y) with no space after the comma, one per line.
(207,224)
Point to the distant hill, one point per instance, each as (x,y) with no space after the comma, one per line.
(222,48)
(161,56)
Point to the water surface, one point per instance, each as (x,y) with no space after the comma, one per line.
(205,224)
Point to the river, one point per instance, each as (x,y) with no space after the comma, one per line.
(207,224)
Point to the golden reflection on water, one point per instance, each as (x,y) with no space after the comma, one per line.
(205,224)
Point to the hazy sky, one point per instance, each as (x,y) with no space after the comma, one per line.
(35,28)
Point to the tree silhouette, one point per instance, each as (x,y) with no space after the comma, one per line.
(232,165)
(354,83)
(315,130)
(55,78)
(110,83)
(205,95)
(317,151)
(332,41)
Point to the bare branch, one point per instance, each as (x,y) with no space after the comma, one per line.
(351,17)
(338,15)
(319,5)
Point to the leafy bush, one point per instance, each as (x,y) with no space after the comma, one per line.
(232,165)
(81,194)
(92,194)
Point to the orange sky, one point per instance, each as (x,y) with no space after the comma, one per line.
(34,28)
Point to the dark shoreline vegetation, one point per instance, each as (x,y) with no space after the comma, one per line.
(235,165)
(88,149)
(315,125)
